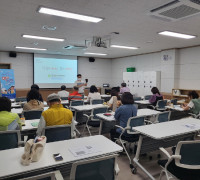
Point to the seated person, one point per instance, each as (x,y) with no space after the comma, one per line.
(122,114)
(114,102)
(33,103)
(124,88)
(75,95)
(194,104)
(35,86)
(93,94)
(55,115)
(156,96)
(63,92)
(7,117)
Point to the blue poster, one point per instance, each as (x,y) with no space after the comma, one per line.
(7,83)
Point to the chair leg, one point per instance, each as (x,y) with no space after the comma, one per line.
(161,174)
(88,129)
(78,132)
(122,143)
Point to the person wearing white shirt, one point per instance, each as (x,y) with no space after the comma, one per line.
(63,92)
(80,84)
(93,94)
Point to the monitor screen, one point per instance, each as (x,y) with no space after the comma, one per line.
(52,71)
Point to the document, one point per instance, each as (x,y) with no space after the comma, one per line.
(83,150)
(192,126)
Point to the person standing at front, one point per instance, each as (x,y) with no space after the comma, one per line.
(80,84)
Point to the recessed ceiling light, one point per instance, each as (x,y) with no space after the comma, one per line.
(39,49)
(42,38)
(68,15)
(178,35)
(99,54)
(124,47)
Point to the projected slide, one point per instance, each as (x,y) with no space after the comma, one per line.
(54,71)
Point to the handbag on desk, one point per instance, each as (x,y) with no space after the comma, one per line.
(33,150)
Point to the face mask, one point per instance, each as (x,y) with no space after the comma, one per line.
(79,79)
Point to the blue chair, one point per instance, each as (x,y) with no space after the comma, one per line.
(93,120)
(160,105)
(76,103)
(21,99)
(10,139)
(185,164)
(102,168)
(131,123)
(33,114)
(64,98)
(147,97)
(97,101)
(57,133)
(163,117)
(137,98)
(174,101)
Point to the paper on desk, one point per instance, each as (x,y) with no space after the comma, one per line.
(192,126)
(35,124)
(83,150)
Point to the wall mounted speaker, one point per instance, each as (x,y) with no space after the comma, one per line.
(91,59)
(12,54)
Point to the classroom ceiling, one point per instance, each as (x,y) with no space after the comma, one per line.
(128,17)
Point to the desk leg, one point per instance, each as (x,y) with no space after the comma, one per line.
(100,127)
(136,159)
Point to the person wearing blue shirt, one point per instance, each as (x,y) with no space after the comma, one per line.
(122,114)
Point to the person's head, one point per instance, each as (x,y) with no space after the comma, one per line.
(93,89)
(116,88)
(35,86)
(63,87)
(79,76)
(123,84)
(193,95)
(33,94)
(75,88)
(155,90)
(127,98)
(5,104)
(114,92)
(53,99)
(12,87)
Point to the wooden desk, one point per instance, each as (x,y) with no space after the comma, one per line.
(166,133)
(12,169)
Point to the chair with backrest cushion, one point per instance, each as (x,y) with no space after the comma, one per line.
(21,99)
(185,164)
(64,98)
(160,106)
(147,97)
(93,120)
(129,129)
(163,117)
(32,114)
(137,98)
(101,168)
(10,139)
(97,101)
(174,101)
(57,133)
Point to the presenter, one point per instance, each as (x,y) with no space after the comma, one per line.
(80,84)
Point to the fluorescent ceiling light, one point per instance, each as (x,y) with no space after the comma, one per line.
(124,47)
(178,35)
(100,54)
(69,15)
(42,38)
(39,49)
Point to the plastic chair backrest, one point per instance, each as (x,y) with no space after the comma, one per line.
(97,101)
(64,98)
(134,122)
(9,139)
(98,111)
(174,101)
(21,99)
(163,117)
(161,104)
(147,97)
(137,98)
(46,176)
(189,152)
(33,114)
(102,168)
(76,103)
(57,133)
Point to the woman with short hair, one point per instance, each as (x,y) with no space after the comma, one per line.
(93,94)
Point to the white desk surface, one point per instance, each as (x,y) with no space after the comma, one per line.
(10,159)
(28,125)
(175,107)
(140,112)
(170,128)
(143,102)
(105,95)
(17,110)
(14,105)
(87,107)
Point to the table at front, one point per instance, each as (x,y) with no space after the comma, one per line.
(164,134)
(12,169)
(140,112)
(87,107)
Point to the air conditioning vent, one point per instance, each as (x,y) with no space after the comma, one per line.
(177,9)
(74,47)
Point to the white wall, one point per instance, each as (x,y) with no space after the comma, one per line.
(97,72)
(23,68)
